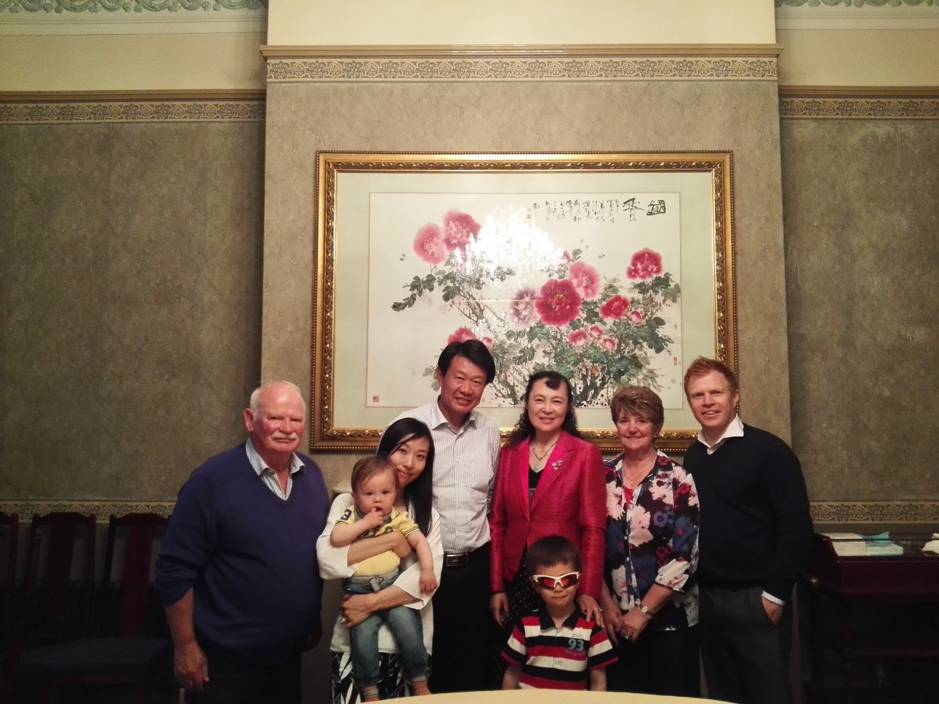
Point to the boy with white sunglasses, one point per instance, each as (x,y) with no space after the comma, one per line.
(556,647)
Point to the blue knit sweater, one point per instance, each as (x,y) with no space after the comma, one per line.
(249,556)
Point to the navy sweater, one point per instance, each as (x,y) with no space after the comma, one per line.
(249,556)
(755,523)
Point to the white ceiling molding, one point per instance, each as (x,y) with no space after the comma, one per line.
(103,17)
(857,14)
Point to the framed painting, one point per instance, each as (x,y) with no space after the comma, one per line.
(612,269)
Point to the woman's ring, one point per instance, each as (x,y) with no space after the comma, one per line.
(626,637)
(342,619)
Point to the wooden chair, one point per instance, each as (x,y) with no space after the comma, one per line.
(134,608)
(127,658)
(10,522)
(54,608)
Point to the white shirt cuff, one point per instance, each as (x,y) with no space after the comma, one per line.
(775,600)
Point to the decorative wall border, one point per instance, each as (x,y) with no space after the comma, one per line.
(857,14)
(142,106)
(528,63)
(101,509)
(887,4)
(859,103)
(875,511)
(69,7)
(110,17)
(822,511)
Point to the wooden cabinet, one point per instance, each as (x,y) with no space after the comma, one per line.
(874,613)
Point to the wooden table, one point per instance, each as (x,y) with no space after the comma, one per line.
(848,582)
(557,696)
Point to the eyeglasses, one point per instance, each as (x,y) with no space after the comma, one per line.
(549,581)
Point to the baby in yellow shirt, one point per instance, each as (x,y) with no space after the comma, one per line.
(373,513)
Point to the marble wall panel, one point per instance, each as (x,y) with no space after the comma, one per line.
(861,218)
(131,273)
(556,116)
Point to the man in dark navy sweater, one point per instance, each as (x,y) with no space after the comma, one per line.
(754,542)
(238,574)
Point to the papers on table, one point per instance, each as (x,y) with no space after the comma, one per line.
(933,545)
(857,545)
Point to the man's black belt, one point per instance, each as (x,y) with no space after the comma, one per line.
(462,559)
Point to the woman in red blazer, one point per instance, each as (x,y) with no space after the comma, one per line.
(549,482)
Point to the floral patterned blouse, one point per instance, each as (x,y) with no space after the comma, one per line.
(653,539)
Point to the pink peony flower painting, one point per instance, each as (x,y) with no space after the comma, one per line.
(522,307)
(558,302)
(564,313)
(578,338)
(585,279)
(614,307)
(644,264)
(459,229)
(429,246)
(461,335)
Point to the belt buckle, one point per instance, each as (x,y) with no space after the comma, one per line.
(458,560)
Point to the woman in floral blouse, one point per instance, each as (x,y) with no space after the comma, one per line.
(649,596)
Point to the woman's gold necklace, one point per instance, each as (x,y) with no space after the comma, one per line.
(633,481)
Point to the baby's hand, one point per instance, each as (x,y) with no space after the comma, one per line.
(428,581)
(373,519)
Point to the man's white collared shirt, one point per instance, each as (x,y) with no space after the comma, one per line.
(734,430)
(269,475)
(465,463)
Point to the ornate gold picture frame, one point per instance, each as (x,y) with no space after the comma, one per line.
(611,268)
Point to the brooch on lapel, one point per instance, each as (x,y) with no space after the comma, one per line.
(557,465)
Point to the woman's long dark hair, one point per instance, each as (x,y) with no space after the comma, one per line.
(420,491)
(524,429)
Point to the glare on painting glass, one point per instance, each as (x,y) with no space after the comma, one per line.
(512,240)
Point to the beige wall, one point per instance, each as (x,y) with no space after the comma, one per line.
(870,46)
(562,115)
(376,22)
(131,274)
(861,262)
(858,57)
(131,62)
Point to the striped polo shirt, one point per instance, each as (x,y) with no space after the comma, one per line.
(553,657)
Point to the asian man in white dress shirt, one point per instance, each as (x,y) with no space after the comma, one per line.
(466,446)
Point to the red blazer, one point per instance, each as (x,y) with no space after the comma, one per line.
(570,500)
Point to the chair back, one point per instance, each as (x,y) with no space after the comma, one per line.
(10,525)
(138,532)
(57,606)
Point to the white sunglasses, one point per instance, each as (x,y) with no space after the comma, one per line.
(549,581)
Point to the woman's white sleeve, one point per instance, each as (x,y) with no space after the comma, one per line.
(333,561)
(409,579)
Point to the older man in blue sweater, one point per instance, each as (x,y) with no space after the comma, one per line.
(238,574)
